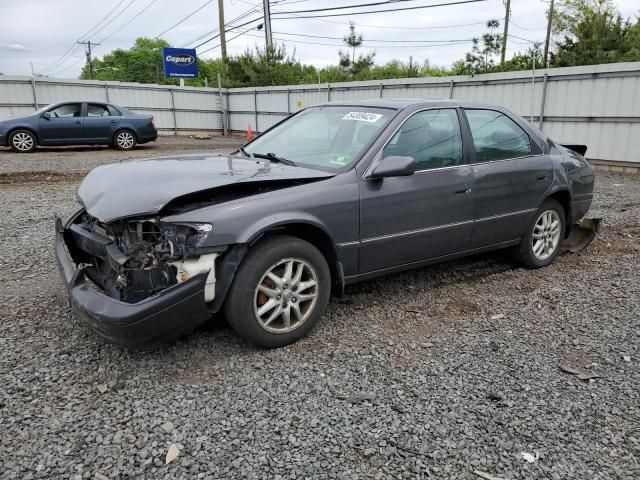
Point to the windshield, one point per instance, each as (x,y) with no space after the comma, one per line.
(324,137)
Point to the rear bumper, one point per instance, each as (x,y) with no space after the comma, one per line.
(172,313)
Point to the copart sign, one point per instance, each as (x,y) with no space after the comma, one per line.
(179,63)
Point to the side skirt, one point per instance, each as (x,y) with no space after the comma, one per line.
(423,263)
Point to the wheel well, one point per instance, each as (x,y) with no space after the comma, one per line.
(319,239)
(563,197)
(22,128)
(128,130)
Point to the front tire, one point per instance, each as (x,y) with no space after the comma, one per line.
(124,140)
(22,141)
(542,242)
(279,292)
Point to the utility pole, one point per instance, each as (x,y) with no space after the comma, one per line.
(545,60)
(223,39)
(89,58)
(506,31)
(267,23)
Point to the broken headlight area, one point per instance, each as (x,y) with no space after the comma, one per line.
(131,260)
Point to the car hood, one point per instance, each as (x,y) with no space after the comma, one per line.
(143,187)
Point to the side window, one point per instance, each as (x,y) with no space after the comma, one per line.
(97,110)
(432,137)
(66,111)
(496,136)
(113,111)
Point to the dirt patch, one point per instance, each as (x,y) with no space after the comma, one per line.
(45,176)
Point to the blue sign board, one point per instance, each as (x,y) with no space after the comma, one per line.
(179,62)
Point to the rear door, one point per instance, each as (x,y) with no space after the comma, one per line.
(428,214)
(511,176)
(64,125)
(101,122)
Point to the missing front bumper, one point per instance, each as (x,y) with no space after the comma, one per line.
(145,325)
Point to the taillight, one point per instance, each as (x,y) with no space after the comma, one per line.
(151,122)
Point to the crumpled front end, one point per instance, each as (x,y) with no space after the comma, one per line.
(137,282)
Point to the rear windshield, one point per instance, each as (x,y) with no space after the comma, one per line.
(331,137)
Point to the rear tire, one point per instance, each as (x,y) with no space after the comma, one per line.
(124,140)
(542,242)
(279,293)
(22,141)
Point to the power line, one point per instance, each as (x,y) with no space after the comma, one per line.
(243,15)
(74,47)
(112,19)
(228,30)
(458,42)
(445,4)
(374,39)
(232,38)
(88,32)
(359,5)
(185,18)
(144,9)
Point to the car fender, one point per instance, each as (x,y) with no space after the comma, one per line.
(21,126)
(254,231)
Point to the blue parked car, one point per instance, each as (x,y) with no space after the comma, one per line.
(78,123)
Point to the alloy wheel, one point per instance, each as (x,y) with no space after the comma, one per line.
(22,141)
(286,295)
(125,140)
(546,234)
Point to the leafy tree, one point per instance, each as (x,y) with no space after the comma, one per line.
(592,32)
(142,64)
(269,66)
(525,61)
(350,63)
(481,57)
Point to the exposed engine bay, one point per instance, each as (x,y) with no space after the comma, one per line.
(134,259)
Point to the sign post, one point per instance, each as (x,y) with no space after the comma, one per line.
(179,63)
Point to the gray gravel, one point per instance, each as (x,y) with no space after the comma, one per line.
(58,160)
(434,373)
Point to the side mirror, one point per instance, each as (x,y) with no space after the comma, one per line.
(46,115)
(394,166)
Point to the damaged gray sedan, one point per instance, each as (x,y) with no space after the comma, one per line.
(335,194)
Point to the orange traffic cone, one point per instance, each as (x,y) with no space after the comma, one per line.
(249,133)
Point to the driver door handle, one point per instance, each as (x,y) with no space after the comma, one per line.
(462,189)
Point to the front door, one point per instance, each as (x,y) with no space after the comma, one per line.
(101,122)
(64,124)
(428,214)
(511,177)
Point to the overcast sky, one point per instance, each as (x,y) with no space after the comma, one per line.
(43,31)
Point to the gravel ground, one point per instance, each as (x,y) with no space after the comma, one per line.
(55,161)
(434,373)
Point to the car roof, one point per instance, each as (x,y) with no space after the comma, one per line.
(402,103)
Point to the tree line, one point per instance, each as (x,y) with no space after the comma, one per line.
(585,32)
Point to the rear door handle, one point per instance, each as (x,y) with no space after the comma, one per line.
(78,122)
(462,189)
(542,176)
(113,121)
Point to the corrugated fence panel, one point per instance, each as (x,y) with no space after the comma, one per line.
(12,93)
(49,92)
(242,102)
(191,120)
(140,97)
(272,101)
(241,121)
(196,100)
(598,105)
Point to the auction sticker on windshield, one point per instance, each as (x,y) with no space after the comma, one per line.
(363,116)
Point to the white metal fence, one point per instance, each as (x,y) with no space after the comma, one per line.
(176,109)
(596,105)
